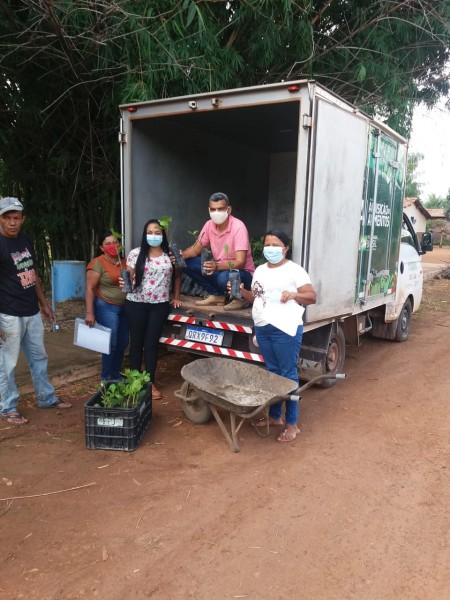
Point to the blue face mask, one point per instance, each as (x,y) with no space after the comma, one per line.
(274,254)
(154,240)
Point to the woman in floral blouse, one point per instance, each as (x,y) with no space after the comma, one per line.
(148,305)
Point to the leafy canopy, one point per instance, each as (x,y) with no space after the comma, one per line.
(65,66)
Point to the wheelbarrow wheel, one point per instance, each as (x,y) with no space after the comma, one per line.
(195,408)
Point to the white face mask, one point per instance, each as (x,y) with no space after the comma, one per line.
(273,254)
(218,217)
(154,239)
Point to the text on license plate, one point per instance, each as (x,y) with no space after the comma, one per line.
(205,335)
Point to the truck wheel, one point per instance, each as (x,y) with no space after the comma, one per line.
(335,359)
(404,322)
(196,409)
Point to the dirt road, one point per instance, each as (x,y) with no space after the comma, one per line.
(355,508)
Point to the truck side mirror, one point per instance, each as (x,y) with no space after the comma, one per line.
(427,242)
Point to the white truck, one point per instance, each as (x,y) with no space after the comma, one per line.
(291,156)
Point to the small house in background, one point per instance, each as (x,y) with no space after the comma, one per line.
(439,227)
(418,214)
(436,213)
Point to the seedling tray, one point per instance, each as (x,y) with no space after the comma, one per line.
(116,428)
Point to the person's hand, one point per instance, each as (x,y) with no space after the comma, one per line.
(175,259)
(176,302)
(89,319)
(285,296)
(209,267)
(48,313)
(121,282)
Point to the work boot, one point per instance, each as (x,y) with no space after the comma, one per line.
(210,300)
(236,305)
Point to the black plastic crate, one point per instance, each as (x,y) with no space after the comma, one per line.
(116,428)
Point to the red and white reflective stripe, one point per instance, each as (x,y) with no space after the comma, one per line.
(229,326)
(212,349)
(214,324)
(181,319)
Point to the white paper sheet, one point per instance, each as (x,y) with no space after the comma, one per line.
(97,338)
(286,317)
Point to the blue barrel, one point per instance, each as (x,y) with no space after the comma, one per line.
(68,280)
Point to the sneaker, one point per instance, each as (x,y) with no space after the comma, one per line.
(209,300)
(236,305)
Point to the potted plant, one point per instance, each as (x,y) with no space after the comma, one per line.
(119,413)
(173,247)
(118,237)
(234,278)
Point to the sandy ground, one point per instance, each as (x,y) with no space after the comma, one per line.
(355,508)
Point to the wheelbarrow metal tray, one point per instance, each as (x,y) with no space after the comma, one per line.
(235,386)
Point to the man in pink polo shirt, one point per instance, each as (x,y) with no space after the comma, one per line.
(230,246)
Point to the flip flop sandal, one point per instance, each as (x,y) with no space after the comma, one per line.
(288,435)
(60,404)
(14,418)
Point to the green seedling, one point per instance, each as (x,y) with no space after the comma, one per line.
(165,222)
(119,238)
(230,262)
(126,393)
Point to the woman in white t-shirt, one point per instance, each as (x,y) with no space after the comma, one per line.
(280,289)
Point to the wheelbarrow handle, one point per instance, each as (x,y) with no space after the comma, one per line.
(314,380)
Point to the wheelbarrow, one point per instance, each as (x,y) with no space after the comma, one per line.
(243,390)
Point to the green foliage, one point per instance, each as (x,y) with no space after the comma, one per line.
(165,222)
(230,262)
(413,186)
(119,238)
(257,246)
(434,201)
(126,393)
(67,65)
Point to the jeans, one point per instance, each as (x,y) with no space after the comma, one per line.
(146,321)
(280,352)
(215,284)
(112,316)
(26,334)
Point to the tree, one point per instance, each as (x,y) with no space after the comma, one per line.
(413,187)
(435,201)
(440,202)
(65,65)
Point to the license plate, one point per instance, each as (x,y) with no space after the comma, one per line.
(204,335)
(109,422)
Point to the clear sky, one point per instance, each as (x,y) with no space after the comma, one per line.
(431,137)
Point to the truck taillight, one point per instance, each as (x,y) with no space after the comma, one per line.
(132,109)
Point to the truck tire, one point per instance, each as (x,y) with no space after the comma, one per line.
(196,409)
(404,322)
(335,358)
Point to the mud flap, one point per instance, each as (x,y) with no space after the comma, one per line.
(382,330)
